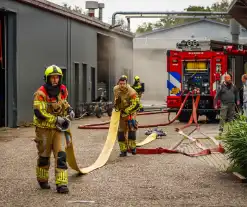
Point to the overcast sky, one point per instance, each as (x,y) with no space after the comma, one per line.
(112,6)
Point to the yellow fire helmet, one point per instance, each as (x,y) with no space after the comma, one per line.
(124,76)
(53,70)
(137,78)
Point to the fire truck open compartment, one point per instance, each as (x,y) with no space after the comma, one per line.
(2,72)
(203,70)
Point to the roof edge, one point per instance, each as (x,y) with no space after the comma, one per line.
(182,25)
(231,6)
(60,10)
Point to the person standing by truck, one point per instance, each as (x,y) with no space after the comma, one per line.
(228,95)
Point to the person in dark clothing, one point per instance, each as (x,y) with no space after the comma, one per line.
(228,95)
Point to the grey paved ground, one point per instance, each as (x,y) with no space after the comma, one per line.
(141,180)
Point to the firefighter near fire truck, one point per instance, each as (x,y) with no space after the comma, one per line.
(201,66)
(228,95)
(139,88)
(50,109)
(126,101)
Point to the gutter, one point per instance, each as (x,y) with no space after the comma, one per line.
(49,6)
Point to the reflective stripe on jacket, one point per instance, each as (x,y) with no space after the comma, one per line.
(47,109)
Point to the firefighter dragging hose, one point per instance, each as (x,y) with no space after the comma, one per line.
(127,102)
(50,106)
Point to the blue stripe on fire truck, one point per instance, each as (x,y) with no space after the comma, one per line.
(174,83)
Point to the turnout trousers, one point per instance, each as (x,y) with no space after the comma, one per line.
(48,141)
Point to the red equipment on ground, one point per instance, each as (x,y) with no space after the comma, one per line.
(205,150)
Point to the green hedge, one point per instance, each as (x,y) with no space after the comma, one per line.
(234,139)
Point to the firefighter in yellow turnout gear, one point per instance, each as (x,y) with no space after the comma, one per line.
(127,102)
(139,88)
(50,109)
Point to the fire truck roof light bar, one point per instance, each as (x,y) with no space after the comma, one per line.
(195,13)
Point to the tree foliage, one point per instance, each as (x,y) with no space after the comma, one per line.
(75,8)
(122,22)
(169,21)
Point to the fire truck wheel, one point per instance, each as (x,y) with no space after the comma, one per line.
(211,117)
(184,116)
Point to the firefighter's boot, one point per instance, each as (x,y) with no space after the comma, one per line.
(132,142)
(123,154)
(44,185)
(122,144)
(62,189)
(61,173)
(133,151)
(42,172)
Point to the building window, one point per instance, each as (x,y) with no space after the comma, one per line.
(84,82)
(76,82)
(93,78)
(64,81)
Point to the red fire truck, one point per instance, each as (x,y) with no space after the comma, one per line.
(201,66)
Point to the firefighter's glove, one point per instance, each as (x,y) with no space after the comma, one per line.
(117,103)
(124,114)
(116,108)
(60,121)
(71,113)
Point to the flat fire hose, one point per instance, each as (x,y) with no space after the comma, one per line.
(108,122)
(173,150)
(149,139)
(153,136)
(105,153)
(142,126)
(107,149)
(205,151)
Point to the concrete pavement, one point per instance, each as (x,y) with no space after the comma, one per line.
(141,180)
